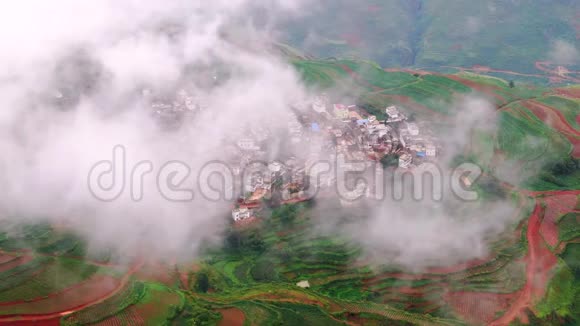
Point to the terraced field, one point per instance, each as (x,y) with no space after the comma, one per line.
(48,276)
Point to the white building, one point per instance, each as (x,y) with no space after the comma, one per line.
(303,284)
(255,182)
(413,129)
(392,112)
(247,144)
(380,128)
(431,150)
(405,161)
(240,214)
(275,167)
(341,112)
(394,115)
(320,103)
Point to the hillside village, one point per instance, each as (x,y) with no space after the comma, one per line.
(325,131)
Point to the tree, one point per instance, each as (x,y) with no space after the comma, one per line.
(256,242)
(286,214)
(390,160)
(233,240)
(263,270)
(285,255)
(512,84)
(202,282)
(566,166)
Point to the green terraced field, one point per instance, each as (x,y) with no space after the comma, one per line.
(526,138)
(55,276)
(570,108)
(569,227)
(130,295)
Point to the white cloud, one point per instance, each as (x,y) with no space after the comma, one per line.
(100,54)
(563,52)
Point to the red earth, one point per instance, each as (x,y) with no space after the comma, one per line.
(232,317)
(7,258)
(47,322)
(488,90)
(401,276)
(556,120)
(53,307)
(478,307)
(550,69)
(556,206)
(480,68)
(540,262)
(71,290)
(356,76)
(58,305)
(15,262)
(459,267)
(569,92)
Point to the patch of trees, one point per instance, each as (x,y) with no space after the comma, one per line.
(557,172)
(202,282)
(565,167)
(263,270)
(237,241)
(390,161)
(492,188)
(286,214)
(373,110)
(197,313)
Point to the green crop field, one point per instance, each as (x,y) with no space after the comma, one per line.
(569,227)
(526,138)
(569,108)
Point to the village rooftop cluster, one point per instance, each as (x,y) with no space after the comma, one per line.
(316,130)
(329,130)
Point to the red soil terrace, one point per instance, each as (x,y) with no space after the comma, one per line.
(477,308)
(556,120)
(488,90)
(48,310)
(15,262)
(356,76)
(232,317)
(540,262)
(569,92)
(556,207)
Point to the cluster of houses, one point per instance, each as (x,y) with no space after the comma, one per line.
(319,130)
(416,144)
(316,130)
(170,111)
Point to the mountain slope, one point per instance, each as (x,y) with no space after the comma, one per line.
(506,34)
